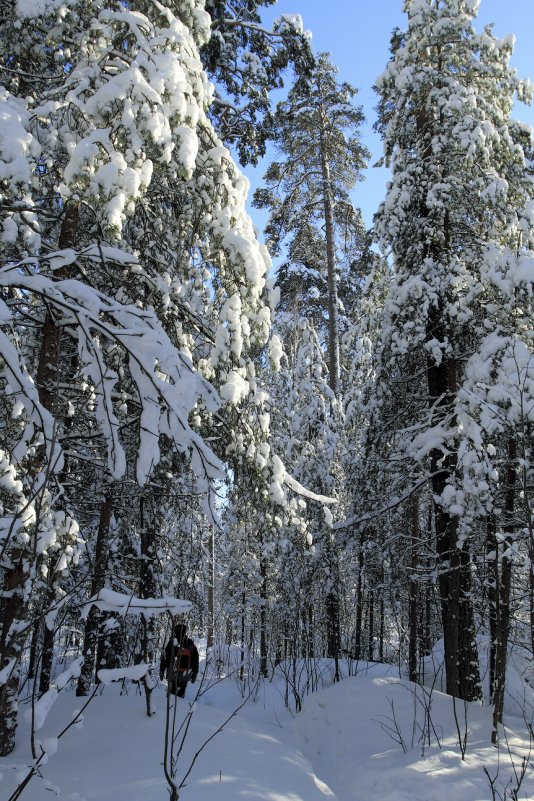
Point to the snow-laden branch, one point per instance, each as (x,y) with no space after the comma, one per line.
(44,704)
(297,487)
(134,673)
(167,384)
(111,601)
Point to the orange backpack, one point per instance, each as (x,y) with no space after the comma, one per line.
(182,663)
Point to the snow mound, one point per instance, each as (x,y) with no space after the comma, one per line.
(380,737)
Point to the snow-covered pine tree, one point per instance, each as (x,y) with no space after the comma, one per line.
(457,221)
(121,206)
(307,190)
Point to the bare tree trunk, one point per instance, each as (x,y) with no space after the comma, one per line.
(211,588)
(526,454)
(333,324)
(243,621)
(502,596)
(359,601)
(333,636)
(263,621)
(148,589)
(413,594)
(371,602)
(309,629)
(47,659)
(493,579)
(90,636)
(34,648)
(332,600)
(426,633)
(381,632)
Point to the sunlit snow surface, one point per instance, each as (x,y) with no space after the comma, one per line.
(344,745)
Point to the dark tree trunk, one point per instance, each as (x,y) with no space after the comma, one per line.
(381,633)
(426,633)
(47,659)
(308,626)
(264,651)
(332,599)
(493,600)
(94,617)
(11,611)
(359,601)
(243,629)
(34,649)
(211,588)
(16,577)
(333,313)
(502,596)
(371,602)
(413,603)
(333,633)
(148,589)
(461,658)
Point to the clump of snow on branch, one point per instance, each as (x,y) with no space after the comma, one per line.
(122,604)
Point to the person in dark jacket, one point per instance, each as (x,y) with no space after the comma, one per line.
(179,661)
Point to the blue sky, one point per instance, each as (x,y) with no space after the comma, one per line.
(357,32)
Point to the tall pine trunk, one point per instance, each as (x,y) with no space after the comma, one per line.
(11,610)
(211,587)
(461,657)
(332,599)
(359,600)
(264,649)
(147,589)
(413,616)
(503,582)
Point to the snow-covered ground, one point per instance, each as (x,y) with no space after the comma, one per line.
(372,737)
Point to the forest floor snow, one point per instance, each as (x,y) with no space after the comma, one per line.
(371,737)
